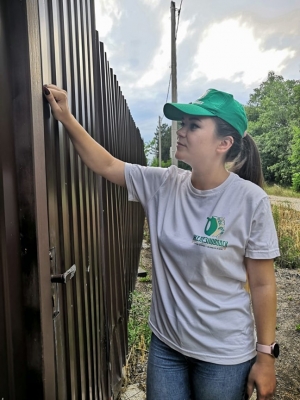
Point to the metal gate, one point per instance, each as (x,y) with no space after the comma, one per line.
(62,340)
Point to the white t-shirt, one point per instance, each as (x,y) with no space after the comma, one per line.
(199,240)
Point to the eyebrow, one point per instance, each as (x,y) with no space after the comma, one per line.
(192,118)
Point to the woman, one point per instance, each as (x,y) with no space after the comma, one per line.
(210,229)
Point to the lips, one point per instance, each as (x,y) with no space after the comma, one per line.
(180,144)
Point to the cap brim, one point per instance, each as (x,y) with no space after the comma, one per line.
(176,111)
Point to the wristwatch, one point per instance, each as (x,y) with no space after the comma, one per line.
(273,349)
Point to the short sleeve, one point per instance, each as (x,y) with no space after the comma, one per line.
(143,182)
(263,241)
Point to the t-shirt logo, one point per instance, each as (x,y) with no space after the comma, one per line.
(215,226)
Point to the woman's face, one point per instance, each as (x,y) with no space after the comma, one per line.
(197,141)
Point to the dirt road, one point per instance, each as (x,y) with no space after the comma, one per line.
(289,201)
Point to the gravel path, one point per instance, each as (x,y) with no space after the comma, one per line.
(289,201)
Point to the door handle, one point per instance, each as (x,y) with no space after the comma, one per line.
(64,278)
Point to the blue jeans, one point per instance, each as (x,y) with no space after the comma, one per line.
(173,376)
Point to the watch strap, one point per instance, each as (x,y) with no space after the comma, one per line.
(262,348)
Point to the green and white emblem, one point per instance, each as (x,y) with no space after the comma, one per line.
(215,226)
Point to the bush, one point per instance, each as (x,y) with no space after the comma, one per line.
(296,182)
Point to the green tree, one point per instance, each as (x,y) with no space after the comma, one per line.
(272,115)
(295,156)
(148,146)
(165,142)
(295,159)
(164,164)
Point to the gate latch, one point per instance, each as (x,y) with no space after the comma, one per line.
(64,278)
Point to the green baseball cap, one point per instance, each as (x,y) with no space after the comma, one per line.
(213,103)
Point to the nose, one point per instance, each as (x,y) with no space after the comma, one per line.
(181,132)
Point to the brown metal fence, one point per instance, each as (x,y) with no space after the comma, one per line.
(62,341)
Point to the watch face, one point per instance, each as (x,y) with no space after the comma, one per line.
(276,350)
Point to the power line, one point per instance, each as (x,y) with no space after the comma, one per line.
(169,87)
(167,93)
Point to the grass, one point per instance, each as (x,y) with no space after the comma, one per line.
(139,333)
(138,329)
(287,222)
(275,190)
(145,279)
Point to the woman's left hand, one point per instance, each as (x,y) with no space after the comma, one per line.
(262,377)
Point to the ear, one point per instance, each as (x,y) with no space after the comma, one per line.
(225,144)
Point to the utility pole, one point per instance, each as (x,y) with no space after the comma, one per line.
(174,81)
(159,141)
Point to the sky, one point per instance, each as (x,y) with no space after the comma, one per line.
(229,45)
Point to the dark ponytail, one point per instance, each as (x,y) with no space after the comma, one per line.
(243,154)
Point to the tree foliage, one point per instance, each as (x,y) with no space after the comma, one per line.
(295,156)
(148,146)
(165,130)
(273,114)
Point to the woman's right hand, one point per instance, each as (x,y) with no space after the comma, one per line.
(91,153)
(58,100)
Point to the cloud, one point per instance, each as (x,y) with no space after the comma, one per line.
(160,64)
(107,12)
(228,45)
(151,3)
(229,50)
